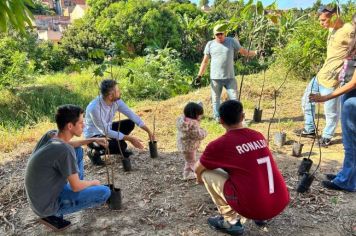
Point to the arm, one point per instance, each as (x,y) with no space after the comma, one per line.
(203,65)
(199,169)
(337,92)
(77,143)
(195,131)
(150,134)
(124,109)
(247,53)
(78,185)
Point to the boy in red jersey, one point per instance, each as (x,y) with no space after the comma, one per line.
(240,174)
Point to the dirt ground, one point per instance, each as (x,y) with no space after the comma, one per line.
(157,202)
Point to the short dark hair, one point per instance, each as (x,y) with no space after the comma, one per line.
(230,112)
(67,114)
(192,110)
(107,86)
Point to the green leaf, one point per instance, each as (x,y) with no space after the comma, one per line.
(260,9)
(272,6)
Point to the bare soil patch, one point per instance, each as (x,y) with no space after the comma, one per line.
(157,202)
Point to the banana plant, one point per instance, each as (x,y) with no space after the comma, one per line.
(15,13)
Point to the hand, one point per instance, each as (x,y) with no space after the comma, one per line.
(95,182)
(196,82)
(317,98)
(137,143)
(102,142)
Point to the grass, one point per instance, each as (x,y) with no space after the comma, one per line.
(34,106)
(28,111)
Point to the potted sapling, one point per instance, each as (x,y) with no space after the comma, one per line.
(115,199)
(297,148)
(257,113)
(152,144)
(280,137)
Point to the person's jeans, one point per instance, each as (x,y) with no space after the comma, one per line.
(70,201)
(216,89)
(346,178)
(79,155)
(331,109)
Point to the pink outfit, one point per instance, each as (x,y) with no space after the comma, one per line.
(189,136)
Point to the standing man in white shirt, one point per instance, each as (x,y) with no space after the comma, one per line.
(99,118)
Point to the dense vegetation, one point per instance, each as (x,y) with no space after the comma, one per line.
(153,48)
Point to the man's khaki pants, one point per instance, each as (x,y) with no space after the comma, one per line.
(214,181)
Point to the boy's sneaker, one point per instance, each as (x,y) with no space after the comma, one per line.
(218,223)
(55,223)
(94,156)
(330,176)
(324,142)
(304,133)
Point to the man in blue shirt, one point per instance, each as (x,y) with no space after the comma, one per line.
(221,51)
(99,118)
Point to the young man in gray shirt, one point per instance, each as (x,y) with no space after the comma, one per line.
(221,51)
(99,118)
(55,171)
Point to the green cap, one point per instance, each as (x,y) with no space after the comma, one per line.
(220,28)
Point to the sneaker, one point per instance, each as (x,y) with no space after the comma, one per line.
(330,176)
(305,133)
(55,223)
(330,185)
(95,158)
(261,223)
(218,223)
(324,142)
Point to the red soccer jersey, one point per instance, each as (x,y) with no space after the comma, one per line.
(255,188)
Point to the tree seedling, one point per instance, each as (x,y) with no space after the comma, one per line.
(297,147)
(152,144)
(257,113)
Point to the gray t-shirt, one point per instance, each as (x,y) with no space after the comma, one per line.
(47,171)
(222,58)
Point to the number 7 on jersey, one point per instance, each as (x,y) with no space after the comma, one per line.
(266,160)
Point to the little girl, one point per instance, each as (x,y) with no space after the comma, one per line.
(189,136)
